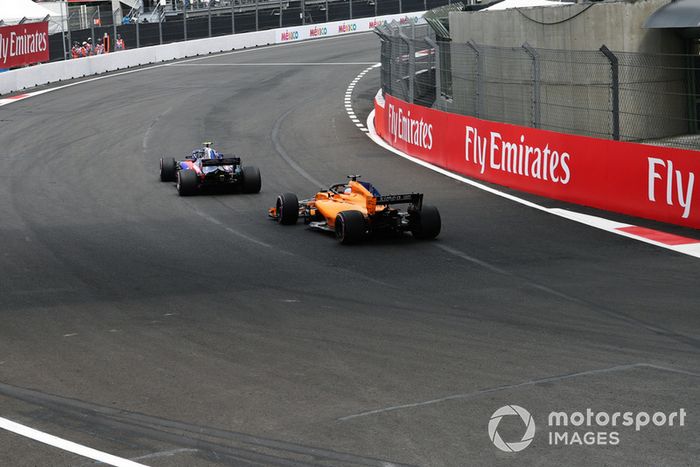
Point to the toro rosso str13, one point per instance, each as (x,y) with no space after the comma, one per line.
(356,210)
(208,168)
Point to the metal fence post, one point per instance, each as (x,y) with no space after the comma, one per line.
(138,31)
(326,11)
(411,66)
(387,61)
(233,17)
(303,12)
(375,8)
(438,76)
(425,5)
(209,16)
(350,7)
(535,84)
(614,91)
(70,39)
(184,21)
(479,79)
(114,30)
(257,24)
(160,27)
(280,22)
(92,28)
(63,36)
(400,6)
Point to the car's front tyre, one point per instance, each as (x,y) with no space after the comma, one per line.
(287,208)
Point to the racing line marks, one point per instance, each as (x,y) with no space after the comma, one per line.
(231,230)
(533,382)
(347,101)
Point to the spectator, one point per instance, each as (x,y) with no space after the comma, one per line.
(99,48)
(88,46)
(119,44)
(75,50)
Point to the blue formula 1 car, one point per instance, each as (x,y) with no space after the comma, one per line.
(206,168)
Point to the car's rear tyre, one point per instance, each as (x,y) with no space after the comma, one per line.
(168,171)
(251,179)
(287,207)
(350,227)
(426,223)
(187,182)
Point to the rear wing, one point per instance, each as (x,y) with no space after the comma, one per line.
(414,199)
(224,161)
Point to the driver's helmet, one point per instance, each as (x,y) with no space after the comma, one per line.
(210,153)
(348,190)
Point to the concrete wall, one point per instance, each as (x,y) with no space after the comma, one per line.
(615,24)
(25,78)
(575,79)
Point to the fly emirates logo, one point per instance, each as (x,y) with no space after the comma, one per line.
(410,130)
(517,157)
(22,44)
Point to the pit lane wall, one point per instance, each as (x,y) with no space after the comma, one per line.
(25,78)
(641,180)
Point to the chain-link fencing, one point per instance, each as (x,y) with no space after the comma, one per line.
(623,96)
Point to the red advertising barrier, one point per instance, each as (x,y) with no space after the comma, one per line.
(24,44)
(640,180)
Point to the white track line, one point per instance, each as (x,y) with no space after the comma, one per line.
(691,249)
(66,445)
(347,98)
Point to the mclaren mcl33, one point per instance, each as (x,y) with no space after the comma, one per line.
(355,211)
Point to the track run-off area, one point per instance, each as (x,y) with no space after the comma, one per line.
(139,327)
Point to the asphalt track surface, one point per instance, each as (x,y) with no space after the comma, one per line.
(194,331)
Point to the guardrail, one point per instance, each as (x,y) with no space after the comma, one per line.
(24,78)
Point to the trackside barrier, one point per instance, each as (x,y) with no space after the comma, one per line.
(24,78)
(641,180)
(335,28)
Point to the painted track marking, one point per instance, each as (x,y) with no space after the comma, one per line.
(347,98)
(66,445)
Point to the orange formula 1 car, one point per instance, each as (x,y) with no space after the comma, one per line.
(356,210)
